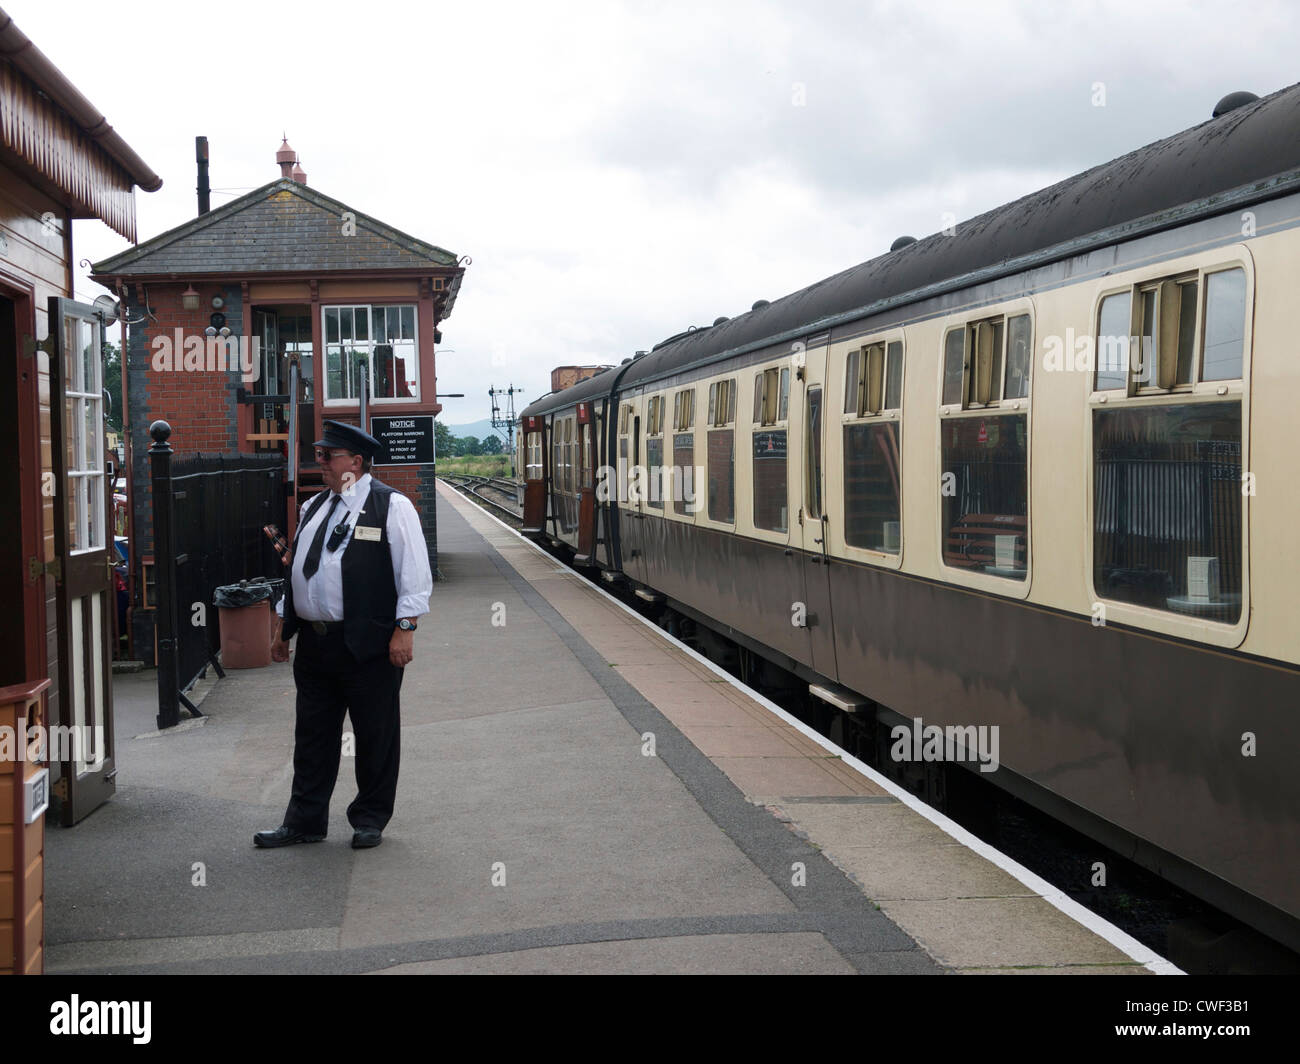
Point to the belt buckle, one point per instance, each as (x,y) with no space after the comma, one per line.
(319,627)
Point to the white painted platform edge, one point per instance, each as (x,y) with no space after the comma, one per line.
(1104,929)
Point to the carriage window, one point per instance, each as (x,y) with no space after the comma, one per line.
(813,448)
(654,453)
(1225,325)
(986,362)
(985,492)
(654,460)
(722,480)
(771,396)
(1113,324)
(1164,327)
(1167,507)
(1167,332)
(533,470)
(722,403)
(684,474)
(871,486)
(684,410)
(954,366)
(770,489)
(1020,349)
(853,382)
(622,473)
(568,454)
(894,377)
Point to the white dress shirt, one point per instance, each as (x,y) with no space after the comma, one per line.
(321,597)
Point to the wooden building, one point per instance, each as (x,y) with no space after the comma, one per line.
(59,160)
(284,275)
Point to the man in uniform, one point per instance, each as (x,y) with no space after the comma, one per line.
(358,578)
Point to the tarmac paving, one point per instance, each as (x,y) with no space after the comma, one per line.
(532,832)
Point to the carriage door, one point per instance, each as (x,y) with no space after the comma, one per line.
(813,518)
(534,472)
(83,558)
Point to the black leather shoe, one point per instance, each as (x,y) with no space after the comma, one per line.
(364,838)
(283,836)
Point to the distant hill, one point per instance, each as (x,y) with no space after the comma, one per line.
(477,429)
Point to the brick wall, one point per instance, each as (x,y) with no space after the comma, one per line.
(567,376)
(200,406)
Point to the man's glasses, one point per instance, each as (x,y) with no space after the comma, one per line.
(329,456)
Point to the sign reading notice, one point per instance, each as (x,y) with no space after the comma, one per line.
(407,439)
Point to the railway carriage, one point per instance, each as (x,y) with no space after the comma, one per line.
(1036,473)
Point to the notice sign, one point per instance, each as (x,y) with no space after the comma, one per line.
(406,439)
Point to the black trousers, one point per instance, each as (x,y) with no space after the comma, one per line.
(332,682)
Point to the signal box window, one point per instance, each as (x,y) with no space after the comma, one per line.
(378,342)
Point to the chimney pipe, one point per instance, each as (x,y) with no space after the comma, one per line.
(201,157)
(285,158)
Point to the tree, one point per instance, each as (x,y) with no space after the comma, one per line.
(492,445)
(442,440)
(473,446)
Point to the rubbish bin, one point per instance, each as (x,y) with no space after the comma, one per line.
(247,622)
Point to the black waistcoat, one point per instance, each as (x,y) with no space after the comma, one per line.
(369,587)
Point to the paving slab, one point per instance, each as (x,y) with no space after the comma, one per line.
(983,933)
(791,954)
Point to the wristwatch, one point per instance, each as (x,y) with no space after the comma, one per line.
(405,625)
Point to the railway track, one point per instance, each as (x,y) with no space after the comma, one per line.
(474,486)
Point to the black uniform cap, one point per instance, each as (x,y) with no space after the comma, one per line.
(348,438)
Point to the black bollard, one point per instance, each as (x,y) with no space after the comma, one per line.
(164,552)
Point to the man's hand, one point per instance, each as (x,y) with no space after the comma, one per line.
(279,647)
(401,648)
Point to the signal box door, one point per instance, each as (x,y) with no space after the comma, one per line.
(84,554)
(813,517)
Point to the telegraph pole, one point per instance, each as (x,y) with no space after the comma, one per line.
(505,423)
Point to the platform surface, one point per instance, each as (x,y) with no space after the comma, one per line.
(577,794)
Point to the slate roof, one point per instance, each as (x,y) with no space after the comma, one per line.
(283,227)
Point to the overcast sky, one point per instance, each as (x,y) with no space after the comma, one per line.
(620,171)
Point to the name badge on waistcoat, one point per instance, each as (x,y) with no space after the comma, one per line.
(367,532)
